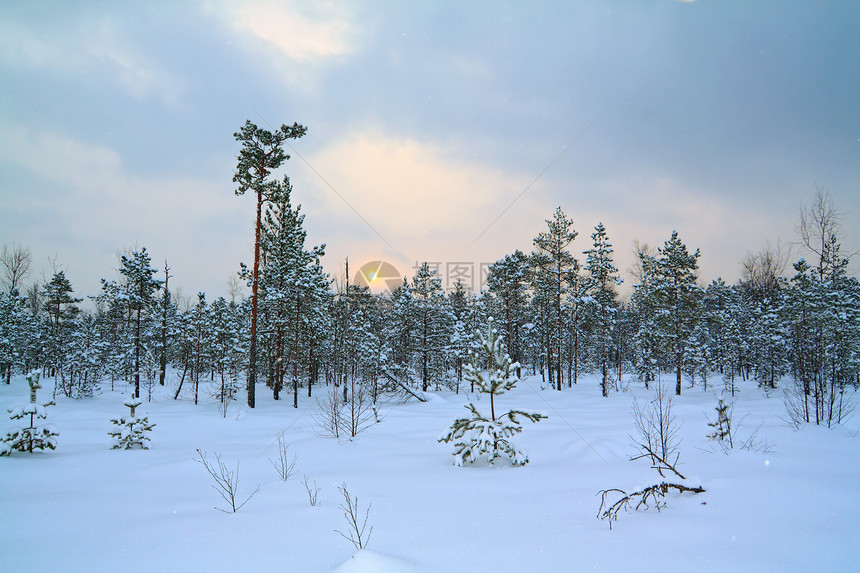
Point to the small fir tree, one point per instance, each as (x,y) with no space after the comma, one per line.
(132,432)
(32,437)
(479,436)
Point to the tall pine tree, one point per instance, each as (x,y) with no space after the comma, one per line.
(262,152)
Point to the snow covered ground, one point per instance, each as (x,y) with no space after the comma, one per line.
(85,507)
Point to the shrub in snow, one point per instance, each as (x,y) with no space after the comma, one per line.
(479,436)
(131,432)
(31,437)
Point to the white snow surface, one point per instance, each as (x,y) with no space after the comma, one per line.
(85,507)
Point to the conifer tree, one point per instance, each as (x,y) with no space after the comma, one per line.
(15,329)
(434,320)
(132,431)
(488,437)
(262,152)
(722,425)
(294,289)
(678,294)
(139,289)
(401,332)
(603,278)
(508,280)
(553,266)
(61,309)
(648,340)
(33,436)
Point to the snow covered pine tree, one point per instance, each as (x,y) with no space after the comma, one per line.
(32,437)
(132,432)
(480,437)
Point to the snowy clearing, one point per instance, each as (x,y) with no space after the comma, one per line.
(85,507)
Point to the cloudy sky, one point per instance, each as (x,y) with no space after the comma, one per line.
(439,131)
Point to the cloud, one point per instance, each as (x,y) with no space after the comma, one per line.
(426,200)
(300,32)
(94,49)
(84,204)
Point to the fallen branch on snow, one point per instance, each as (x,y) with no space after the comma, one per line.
(642,499)
(419,397)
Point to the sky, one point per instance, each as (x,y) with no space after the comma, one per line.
(439,131)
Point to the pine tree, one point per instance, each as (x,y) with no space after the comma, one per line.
(722,425)
(434,320)
(139,291)
(132,431)
(648,339)
(488,437)
(553,266)
(15,330)
(262,152)
(33,436)
(680,296)
(603,278)
(61,308)
(402,332)
(508,280)
(294,290)
(87,348)
(227,355)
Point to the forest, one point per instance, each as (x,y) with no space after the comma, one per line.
(559,313)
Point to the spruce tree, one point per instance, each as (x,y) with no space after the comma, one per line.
(488,437)
(33,436)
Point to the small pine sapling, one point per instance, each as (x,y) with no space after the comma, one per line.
(32,437)
(132,432)
(480,436)
(723,424)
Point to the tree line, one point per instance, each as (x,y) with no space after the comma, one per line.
(557,310)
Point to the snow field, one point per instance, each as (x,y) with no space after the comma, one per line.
(85,507)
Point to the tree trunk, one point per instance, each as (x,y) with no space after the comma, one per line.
(296,355)
(137,357)
(252,366)
(163,358)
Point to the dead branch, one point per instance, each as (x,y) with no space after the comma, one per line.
(659,463)
(313,490)
(284,465)
(403,386)
(642,499)
(355,525)
(226,482)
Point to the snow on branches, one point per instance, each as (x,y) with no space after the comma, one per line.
(132,432)
(488,437)
(33,436)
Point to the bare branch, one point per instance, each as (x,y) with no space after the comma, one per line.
(15,265)
(356,527)
(313,491)
(284,465)
(226,482)
(643,499)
